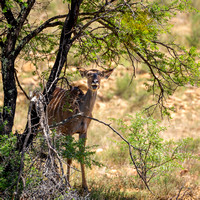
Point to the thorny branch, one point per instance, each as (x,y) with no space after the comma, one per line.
(44,124)
(37,100)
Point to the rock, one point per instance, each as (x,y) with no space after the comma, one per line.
(99,150)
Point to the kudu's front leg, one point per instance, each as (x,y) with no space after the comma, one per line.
(84,182)
(69,162)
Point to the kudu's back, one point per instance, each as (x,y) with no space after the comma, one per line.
(64,104)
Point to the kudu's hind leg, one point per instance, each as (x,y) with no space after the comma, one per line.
(84,182)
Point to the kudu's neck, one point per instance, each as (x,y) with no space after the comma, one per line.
(88,101)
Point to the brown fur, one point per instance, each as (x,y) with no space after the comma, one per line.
(66,103)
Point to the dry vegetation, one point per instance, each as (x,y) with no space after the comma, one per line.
(117,179)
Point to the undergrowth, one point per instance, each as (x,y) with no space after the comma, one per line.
(160,162)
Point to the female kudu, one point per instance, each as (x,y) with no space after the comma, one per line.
(66,103)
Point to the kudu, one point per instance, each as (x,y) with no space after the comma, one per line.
(66,103)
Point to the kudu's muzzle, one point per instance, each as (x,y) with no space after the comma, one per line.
(95,82)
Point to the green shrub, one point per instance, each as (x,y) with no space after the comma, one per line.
(151,155)
(69,147)
(9,165)
(131,90)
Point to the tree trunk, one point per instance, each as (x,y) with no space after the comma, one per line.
(10,93)
(64,47)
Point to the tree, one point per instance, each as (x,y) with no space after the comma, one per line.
(14,37)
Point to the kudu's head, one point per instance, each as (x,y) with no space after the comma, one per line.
(94,77)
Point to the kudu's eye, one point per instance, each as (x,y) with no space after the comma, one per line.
(89,75)
(100,73)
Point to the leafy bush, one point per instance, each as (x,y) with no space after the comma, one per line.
(69,147)
(9,165)
(151,155)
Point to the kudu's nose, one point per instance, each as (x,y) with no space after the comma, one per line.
(95,80)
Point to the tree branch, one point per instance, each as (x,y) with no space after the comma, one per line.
(8,13)
(25,10)
(46,24)
(21,86)
(65,44)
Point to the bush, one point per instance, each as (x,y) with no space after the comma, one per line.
(69,147)
(9,165)
(44,176)
(151,155)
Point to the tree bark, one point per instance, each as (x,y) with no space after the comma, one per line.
(10,94)
(7,62)
(9,85)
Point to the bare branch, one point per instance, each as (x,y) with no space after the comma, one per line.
(21,86)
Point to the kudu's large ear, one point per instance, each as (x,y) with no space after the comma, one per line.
(82,71)
(107,73)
